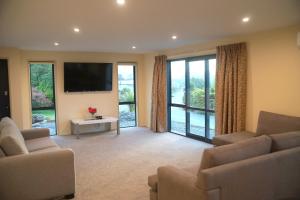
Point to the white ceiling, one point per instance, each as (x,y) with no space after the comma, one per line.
(146,24)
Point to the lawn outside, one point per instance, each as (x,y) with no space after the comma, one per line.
(44,119)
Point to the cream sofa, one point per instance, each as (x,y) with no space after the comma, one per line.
(260,168)
(33,166)
(268,123)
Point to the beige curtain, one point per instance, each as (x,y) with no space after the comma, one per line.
(159,95)
(231,86)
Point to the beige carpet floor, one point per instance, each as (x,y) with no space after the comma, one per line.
(111,167)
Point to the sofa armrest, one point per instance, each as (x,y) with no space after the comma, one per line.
(255,178)
(177,184)
(41,175)
(30,134)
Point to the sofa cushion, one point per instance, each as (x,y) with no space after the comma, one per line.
(49,149)
(192,170)
(5,122)
(12,141)
(235,152)
(285,140)
(39,144)
(232,138)
(2,154)
(271,123)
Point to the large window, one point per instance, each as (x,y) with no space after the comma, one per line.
(43,96)
(191,96)
(127,99)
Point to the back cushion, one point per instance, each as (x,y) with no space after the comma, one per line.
(12,141)
(235,152)
(285,140)
(271,123)
(5,122)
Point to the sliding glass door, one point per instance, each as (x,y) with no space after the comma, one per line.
(191,97)
(127,96)
(43,96)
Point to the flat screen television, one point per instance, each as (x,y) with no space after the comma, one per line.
(87,77)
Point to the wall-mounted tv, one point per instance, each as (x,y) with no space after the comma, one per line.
(87,77)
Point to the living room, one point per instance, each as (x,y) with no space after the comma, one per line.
(136,34)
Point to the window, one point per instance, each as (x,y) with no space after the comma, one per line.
(191,96)
(127,97)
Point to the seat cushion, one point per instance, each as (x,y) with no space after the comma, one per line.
(284,141)
(232,138)
(11,141)
(193,170)
(153,182)
(235,152)
(40,144)
(48,149)
(272,123)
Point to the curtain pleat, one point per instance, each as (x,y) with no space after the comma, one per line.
(231,88)
(159,95)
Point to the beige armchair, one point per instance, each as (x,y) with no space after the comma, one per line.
(32,166)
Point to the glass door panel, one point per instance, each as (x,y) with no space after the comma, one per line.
(197,84)
(178,120)
(197,122)
(127,99)
(212,125)
(178,82)
(43,96)
(212,83)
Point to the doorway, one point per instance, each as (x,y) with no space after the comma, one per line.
(4,89)
(43,96)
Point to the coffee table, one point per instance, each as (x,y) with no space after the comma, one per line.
(76,125)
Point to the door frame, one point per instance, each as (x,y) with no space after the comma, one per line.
(54,75)
(187,92)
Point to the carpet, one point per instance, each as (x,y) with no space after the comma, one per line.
(111,167)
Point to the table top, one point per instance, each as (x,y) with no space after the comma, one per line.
(94,121)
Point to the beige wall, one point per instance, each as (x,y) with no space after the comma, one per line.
(273,71)
(273,78)
(71,105)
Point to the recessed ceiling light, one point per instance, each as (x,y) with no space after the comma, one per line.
(174,37)
(56,43)
(133,47)
(76,30)
(246,19)
(121,2)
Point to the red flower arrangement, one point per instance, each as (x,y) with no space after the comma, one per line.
(92,110)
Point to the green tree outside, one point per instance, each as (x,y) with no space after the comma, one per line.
(127,95)
(41,78)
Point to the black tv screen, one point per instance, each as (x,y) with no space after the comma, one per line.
(87,77)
